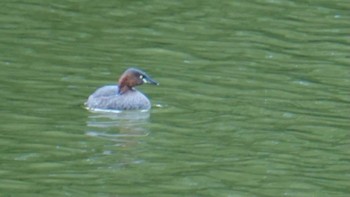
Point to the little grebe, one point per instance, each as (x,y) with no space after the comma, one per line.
(122,96)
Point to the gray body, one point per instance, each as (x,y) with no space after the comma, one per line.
(107,98)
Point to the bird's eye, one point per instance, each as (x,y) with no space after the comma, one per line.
(143,78)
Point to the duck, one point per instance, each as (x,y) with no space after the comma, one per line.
(122,96)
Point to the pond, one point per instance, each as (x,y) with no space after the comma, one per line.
(254,98)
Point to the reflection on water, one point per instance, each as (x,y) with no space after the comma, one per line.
(118,126)
(117,119)
(115,131)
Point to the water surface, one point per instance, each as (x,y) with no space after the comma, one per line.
(254,98)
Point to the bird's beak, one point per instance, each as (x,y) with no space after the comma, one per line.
(147,79)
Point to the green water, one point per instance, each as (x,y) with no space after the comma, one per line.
(254,98)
